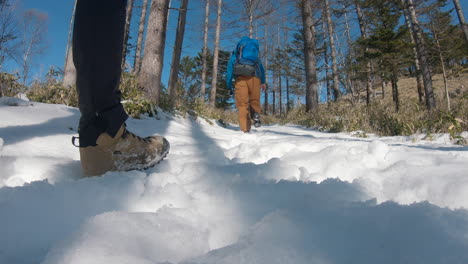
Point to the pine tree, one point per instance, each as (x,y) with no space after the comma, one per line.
(385,41)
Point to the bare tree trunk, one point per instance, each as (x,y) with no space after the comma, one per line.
(214,81)
(419,81)
(249,9)
(250,19)
(279,72)
(336,87)
(327,63)
(461,18)
(444,74)
(350,75)
(169,12)
(273,103)
(205,50)
(442,64)
(309,55)
(69,71)
(265,93)
(369,84)
(32,43)
(383,84)
(139,46)
(288,105)
(128,19)
(395,94)
(327,77)
(280,97)
(423,56)
(153,59)
(177,49)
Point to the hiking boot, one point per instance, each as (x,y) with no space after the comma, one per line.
(256,119)
(123,152)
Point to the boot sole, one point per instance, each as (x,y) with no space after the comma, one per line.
(152,164)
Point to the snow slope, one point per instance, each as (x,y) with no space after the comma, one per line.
(282,194)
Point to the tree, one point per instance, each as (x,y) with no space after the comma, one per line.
(139,45)
(8,30)
(222,92)
(461,18)
(385,42)
(309,55)
(177,48)
(326,63)
(33,27)
(277,66)
(446,40)
(246,16)
(349,60)
(266,64)
(296,72)
(331,41)
(363,30)
(205,50)
(188,82)
(250,7)
(128,19)
(417,64)
(422,55)
(153,59)
(216,55)
(69,71)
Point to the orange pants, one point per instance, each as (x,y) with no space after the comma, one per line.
(247,99)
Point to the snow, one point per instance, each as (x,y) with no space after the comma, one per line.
(282,194)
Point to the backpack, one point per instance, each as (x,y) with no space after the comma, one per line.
(246,57)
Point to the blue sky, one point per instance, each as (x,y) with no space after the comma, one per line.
(59,12)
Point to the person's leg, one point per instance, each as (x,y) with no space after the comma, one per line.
(97,53)
(105,143)
(254,95)
(254,100)
(242,103)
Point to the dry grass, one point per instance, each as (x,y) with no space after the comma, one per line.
(457,86)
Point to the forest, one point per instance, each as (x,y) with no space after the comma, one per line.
(395,67)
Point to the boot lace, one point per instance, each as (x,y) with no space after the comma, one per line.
(127,133)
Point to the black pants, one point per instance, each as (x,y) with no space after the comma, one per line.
(98,35)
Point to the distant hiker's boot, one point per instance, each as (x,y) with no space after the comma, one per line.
(123,152)
(256,119)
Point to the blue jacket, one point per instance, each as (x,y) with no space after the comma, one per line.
(259,71)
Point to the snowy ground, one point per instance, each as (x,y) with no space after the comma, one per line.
(283,194)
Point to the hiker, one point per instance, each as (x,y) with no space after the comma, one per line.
(247,70)
(104,142)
